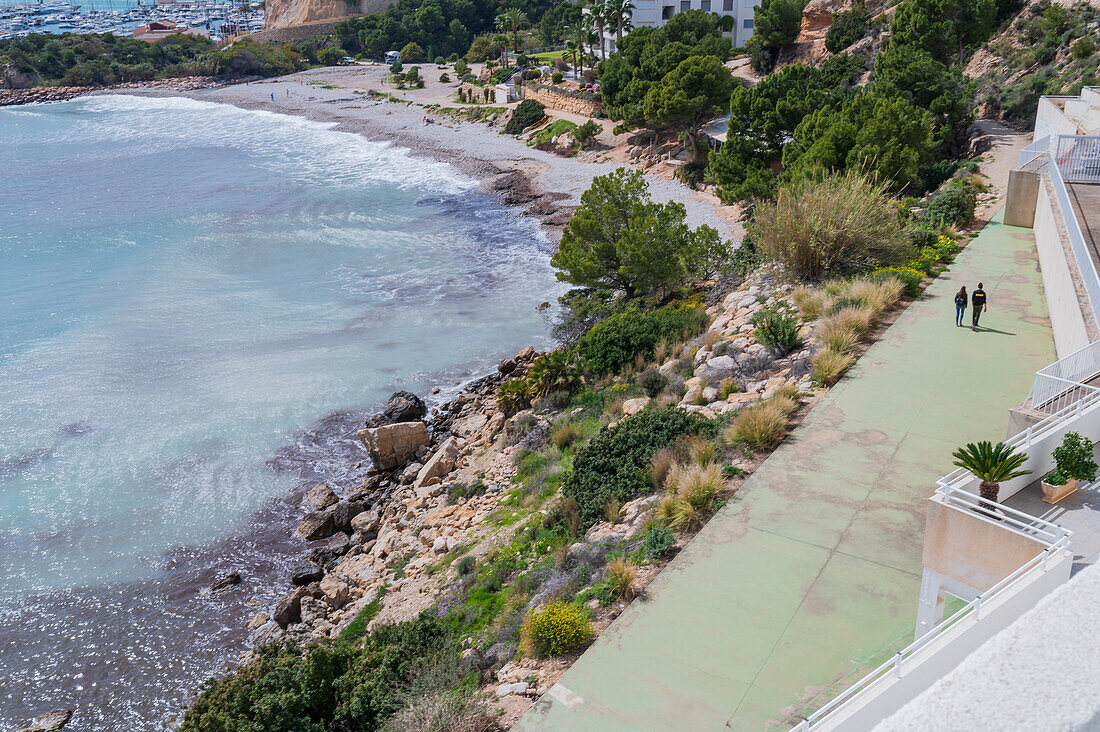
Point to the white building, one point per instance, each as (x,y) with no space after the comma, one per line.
(655,13)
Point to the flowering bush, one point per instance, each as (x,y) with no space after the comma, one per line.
(909,276)
(556,628)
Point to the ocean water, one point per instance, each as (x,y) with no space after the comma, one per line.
(198,305)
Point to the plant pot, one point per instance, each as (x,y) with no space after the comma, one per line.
(1055,493)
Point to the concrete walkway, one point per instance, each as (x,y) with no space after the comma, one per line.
(810,576)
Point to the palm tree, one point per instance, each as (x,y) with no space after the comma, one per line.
(598,12)
(992,465)
(620,13)
(512,20)
(577,39)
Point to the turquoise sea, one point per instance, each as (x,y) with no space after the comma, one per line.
(198,306)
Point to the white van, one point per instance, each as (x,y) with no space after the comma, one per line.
(393,57)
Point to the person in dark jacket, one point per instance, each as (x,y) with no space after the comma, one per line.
(978,301)
(961,300)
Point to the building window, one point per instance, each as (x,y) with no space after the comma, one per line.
(748,24)
(685,5)
(667,12)
(727,6)
(705,5)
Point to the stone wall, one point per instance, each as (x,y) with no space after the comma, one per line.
(552,99)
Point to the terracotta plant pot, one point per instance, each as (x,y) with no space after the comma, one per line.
(1055,493)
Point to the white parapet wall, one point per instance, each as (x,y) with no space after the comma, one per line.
(1063,300)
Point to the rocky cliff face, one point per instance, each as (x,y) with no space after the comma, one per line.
(288,13)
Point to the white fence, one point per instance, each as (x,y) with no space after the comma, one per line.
(1078,158)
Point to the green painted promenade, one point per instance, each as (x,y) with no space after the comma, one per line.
(810,576)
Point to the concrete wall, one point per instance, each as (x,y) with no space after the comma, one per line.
(1023,191)
(1051,120)
(1063,303)
(890,693)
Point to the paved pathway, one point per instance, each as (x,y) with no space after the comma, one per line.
(810,577)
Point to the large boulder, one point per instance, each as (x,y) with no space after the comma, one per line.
(225,582)
(320,497)
(49,722)
(306,574)
(404,406)
(289,610)
(314,526)
(343,512)
(393,444)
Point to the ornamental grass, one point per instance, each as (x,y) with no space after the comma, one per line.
(829,365)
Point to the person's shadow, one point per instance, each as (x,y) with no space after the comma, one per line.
(983,329)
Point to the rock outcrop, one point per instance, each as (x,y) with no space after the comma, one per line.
(288,13)
(393,444)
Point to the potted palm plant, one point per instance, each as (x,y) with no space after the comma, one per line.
(992,465)
(1073,462)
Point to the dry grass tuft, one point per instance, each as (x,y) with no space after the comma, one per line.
(829,365)
(810,302)
(837,335)
(620,577)
(699,449)
(661,464)
(564,436)
(859,319)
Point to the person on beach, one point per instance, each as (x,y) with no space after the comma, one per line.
(960,305)
(978,301)
(273,96)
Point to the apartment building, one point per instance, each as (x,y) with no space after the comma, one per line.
(655,13)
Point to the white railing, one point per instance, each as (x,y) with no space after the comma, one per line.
(1078,158)
(895,667)
(1063,383)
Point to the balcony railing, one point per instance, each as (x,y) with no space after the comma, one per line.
(1078,158)
(834,711)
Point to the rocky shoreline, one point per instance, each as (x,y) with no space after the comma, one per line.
(40,94)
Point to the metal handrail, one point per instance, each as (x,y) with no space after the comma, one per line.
(894,665)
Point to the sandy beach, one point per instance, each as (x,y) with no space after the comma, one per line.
(543,184)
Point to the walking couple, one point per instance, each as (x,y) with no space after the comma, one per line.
(977,299)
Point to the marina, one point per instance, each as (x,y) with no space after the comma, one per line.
(122,17)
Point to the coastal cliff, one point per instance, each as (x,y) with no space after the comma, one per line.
(289,13)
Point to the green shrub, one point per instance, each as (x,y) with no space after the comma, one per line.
(657,542)
(326,685)
(847,28)
(614,463)
(444,78)
(653,382)
(587,132)
(1074,457)
(465,566)
(556,628)
(556,77)
(440,61)
(777,329)
(746,257)
(395,67)
(527,113)
(615,341)
(954,206)
(461,491)
(1083,48)
(461,68)
(908,276)
(412,53)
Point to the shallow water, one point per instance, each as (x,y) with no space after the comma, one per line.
(186,291)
